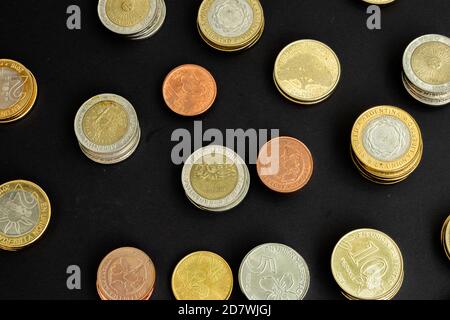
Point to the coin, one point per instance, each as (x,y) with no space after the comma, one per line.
(367,265)
(445,237)
(189,90)
(274,271)
(307,71)
(202,275)
(285,164)
(126,274)
(24,214)
(378,2)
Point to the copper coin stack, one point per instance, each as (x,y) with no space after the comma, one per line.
(126,274)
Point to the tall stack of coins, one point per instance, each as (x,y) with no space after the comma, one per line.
(274,271)
(367,265)
(426,69)
(18,91)
(107,129)
(202,275)
(126,274)
(230,25)
(134,19)
(445,237)
(307,72)
(215,178)
(386,144)
(24,214)
(285,164)
(189,90)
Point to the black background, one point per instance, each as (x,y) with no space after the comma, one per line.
(141,201)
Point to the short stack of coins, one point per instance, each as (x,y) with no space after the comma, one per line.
(367,265)
(133,19)
(107,129)
(230,25)
(126,274)
(307,72)
(445,237)
(25,213)
(215,178)
(426,69)
(18,91)
(386,144)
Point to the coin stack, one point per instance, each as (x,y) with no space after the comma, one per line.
(386,144)
(445,237)
(230,25)
(126,274)
(307,72)
(426,69)
(367,265)
(134,19)
(18,91)
(202,275)
(107,129)
(274,271)
(24,214)
(215,178)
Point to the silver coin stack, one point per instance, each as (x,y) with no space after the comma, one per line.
(426,69)
(133,19)
(215,178)
(274,271)
(107,129)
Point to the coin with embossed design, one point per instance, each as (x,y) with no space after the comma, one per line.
(285,164)
(24,214)
(274,271)
(367,265)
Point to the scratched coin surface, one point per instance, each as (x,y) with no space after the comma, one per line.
(274,271)
(307,71)
(126,274)
(24,214)
(202,275)
(367,264)
(285,164)
(189,90)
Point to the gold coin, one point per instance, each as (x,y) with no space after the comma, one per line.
(307,71)
(24,214)
(367,264)
(202,275)
(127,13)
(431,63)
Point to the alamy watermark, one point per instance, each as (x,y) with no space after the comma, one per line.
(73,281)
(74,19)
(374,20)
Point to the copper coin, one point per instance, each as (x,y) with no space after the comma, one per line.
(126,274)
(189,90)
(285,164)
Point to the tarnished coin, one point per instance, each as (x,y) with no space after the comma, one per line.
(367,265)
(189,90)
(126,274)
(24,214)
(202,275)
(274,271)
(307,71)
(285,164)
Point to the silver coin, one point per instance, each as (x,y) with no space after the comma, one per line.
(11,87)
(427,98)
(274,271)
(230,18)
(426,63)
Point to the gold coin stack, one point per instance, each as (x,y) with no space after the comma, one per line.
(367,265)
(230,25)
(18,91)
(445,237)
(386,144)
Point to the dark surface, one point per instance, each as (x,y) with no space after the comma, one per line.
(141,201)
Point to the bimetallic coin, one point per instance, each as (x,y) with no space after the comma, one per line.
(189,90)
(126,274)
(202,275)
(285,164)
(367,265)
(274,271)
(24,214)
(307,71)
